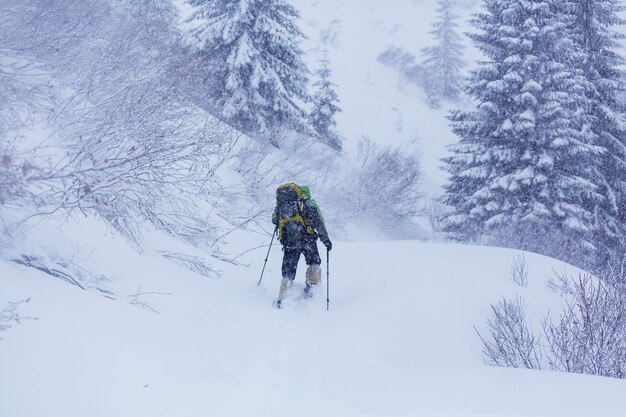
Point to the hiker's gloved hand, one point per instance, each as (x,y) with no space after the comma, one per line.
(328,244)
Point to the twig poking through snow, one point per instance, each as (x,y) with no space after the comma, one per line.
(519,271)
(10,315)
(193,263)
(137,302)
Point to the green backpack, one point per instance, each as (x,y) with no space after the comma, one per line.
(306,196)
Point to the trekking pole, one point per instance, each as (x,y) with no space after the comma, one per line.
(267,256)
(327,280)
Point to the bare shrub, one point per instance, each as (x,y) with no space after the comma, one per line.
(512,342)
(109,84)
(12,172)
(50,268)
(386,187)
(33,33)
(560,283)
(70,271)
(614,266)
(299,159)
(590,335)
(519,270)
(192,263)
(435,211)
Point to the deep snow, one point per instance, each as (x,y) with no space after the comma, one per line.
(398,340)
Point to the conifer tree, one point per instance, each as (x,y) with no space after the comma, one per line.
(325,106)
(256,78)
(525,167)
(443,63)
(596,39)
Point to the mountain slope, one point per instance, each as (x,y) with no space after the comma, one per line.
(398,340)
(376,103)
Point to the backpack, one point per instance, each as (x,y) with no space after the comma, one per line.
(290,222)
(308,201)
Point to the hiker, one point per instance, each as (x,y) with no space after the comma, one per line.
(299,222)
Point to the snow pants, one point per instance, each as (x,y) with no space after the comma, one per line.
(290,264)
(292,256)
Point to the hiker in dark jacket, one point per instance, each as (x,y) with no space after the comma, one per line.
(299,225)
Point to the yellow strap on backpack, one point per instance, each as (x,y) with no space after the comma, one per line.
(297,217)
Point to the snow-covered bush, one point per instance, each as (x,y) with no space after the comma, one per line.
(29,33)
(135,138)
(118,134)
(386,188)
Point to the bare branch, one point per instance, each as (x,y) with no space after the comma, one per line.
(10,315)
(519,270)
(512,342)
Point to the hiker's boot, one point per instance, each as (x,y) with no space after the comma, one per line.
(308,290)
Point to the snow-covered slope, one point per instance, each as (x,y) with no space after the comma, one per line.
(375,103)
(398,340)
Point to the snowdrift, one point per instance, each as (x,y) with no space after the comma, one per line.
(399,339)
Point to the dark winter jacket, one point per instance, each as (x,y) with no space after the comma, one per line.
(312,217)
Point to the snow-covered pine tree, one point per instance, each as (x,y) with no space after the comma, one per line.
(598,43)
(443,63)
(256,78)
(524,170)
(325,106)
